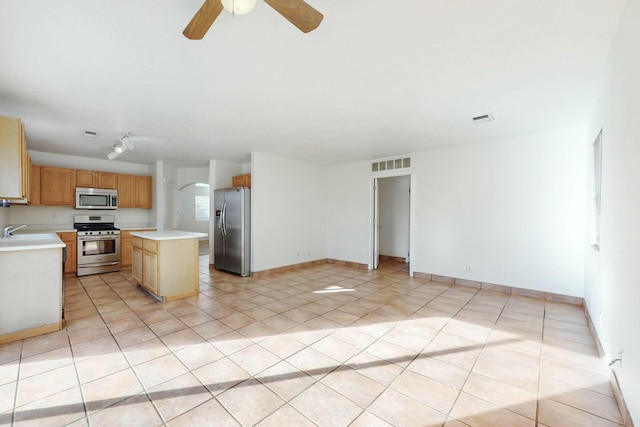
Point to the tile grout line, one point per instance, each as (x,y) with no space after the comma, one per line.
(475,362)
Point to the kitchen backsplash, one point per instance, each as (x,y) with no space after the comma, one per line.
(51,216)
(4,217)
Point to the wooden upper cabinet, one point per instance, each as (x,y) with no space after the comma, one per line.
(54,186)
(14,174)
(143,198)
(57,186)
(241,180)
(85,179)
(90,179)
(126,191)
(107,180)
(34,185)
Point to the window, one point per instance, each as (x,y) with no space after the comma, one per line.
(202,208)
(597,188)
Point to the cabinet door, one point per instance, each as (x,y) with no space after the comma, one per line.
(107,180)
(26,162)
(71,266)
(34,186)
(85,179)
(57,186)
(70,239)
(136,263)
(126,191)
(241,180)
(143,192)
(150,271)
(12,160)
(125,252)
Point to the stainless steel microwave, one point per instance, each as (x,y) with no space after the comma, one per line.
(96,198)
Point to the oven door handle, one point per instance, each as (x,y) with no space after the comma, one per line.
(107,237)
(98,264)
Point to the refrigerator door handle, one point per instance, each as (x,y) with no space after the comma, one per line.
(223,219)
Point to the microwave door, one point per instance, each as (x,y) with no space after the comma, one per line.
(94,200)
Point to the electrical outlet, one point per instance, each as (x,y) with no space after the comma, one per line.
(600,320)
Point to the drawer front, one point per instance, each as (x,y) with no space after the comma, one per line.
(150,245)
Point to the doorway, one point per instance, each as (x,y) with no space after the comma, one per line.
(391,220)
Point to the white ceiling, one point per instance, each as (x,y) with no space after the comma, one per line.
(377,78)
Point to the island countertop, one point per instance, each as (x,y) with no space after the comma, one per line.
(168,235)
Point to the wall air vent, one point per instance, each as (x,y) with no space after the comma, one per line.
(386,165)
(483,118)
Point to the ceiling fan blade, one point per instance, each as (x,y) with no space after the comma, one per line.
(299,13)
(203,19)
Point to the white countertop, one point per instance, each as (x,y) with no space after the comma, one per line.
(26,242)
(168,235)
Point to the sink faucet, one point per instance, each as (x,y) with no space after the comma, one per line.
(10,229)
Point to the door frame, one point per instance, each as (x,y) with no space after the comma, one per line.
(374,210)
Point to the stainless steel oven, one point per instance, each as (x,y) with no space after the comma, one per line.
(98,244)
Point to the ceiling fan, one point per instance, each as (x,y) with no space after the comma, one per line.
(299,13)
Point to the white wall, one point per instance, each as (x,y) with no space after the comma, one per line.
(191,175)
(349,212)
(4,217)
(187,213)
(393,208)
(221,173)
(289,212)
(61,217)
(612,290)
(169,199)
(86,163)
(511,209)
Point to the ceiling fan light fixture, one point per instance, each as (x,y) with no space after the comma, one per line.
(239,7)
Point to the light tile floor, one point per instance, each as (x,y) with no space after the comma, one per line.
(327,346)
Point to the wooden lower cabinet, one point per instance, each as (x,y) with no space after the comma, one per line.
(126,248)
(150,266)
(70,238)
(166,268)
(136,258)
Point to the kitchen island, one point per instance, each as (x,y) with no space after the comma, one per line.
(165,263)
(30,285)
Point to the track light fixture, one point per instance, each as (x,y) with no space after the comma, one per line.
(121,146)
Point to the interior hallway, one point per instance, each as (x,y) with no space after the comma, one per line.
(327,346)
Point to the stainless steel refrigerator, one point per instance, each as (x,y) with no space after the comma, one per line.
(232,230)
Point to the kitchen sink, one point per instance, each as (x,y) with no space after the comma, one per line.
(30,241)
(30,236)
